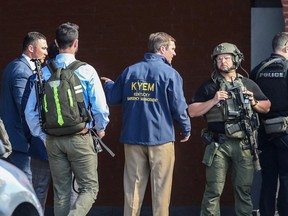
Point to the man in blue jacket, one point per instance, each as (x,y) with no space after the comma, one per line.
(151,95)
(13,84)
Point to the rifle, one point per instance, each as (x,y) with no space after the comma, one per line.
(249,121)
(39,88)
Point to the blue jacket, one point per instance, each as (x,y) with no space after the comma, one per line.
(37,148)
(151,94)
(13,84)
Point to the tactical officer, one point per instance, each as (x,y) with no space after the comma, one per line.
(271,76)
(229,103)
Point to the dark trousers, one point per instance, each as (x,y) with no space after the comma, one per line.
(274,163)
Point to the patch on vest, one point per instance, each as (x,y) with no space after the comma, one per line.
(272,74)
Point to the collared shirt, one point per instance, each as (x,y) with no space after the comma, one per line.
(32,64)
(92,90)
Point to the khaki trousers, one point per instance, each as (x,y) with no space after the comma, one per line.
(75,154)
(140,163)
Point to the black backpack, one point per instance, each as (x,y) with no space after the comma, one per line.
(63,108)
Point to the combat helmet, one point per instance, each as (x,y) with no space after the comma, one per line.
(228,48)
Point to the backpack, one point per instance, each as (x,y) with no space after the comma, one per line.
(63,108)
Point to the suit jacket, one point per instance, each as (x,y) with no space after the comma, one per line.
(37,148)
(14,80)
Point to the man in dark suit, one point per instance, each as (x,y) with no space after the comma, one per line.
(14,79)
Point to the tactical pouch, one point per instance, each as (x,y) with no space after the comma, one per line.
(276,125)
(209,153)
(234,130)
(206,136)
(215,114)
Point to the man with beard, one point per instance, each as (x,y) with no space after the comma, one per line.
(226,139)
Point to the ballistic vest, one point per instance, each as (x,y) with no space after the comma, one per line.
(228,109)
(272,79)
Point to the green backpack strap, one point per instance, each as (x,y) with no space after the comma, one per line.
(52,66)
(74,65)
(54,69)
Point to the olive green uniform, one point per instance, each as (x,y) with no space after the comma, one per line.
(226,147)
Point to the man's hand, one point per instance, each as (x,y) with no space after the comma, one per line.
(101,134)
(185,139)
(220,96)
(105,79)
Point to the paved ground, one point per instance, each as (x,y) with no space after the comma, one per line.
(175,211)
(146,211)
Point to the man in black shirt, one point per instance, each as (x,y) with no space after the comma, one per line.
(222,100)
(271,76)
